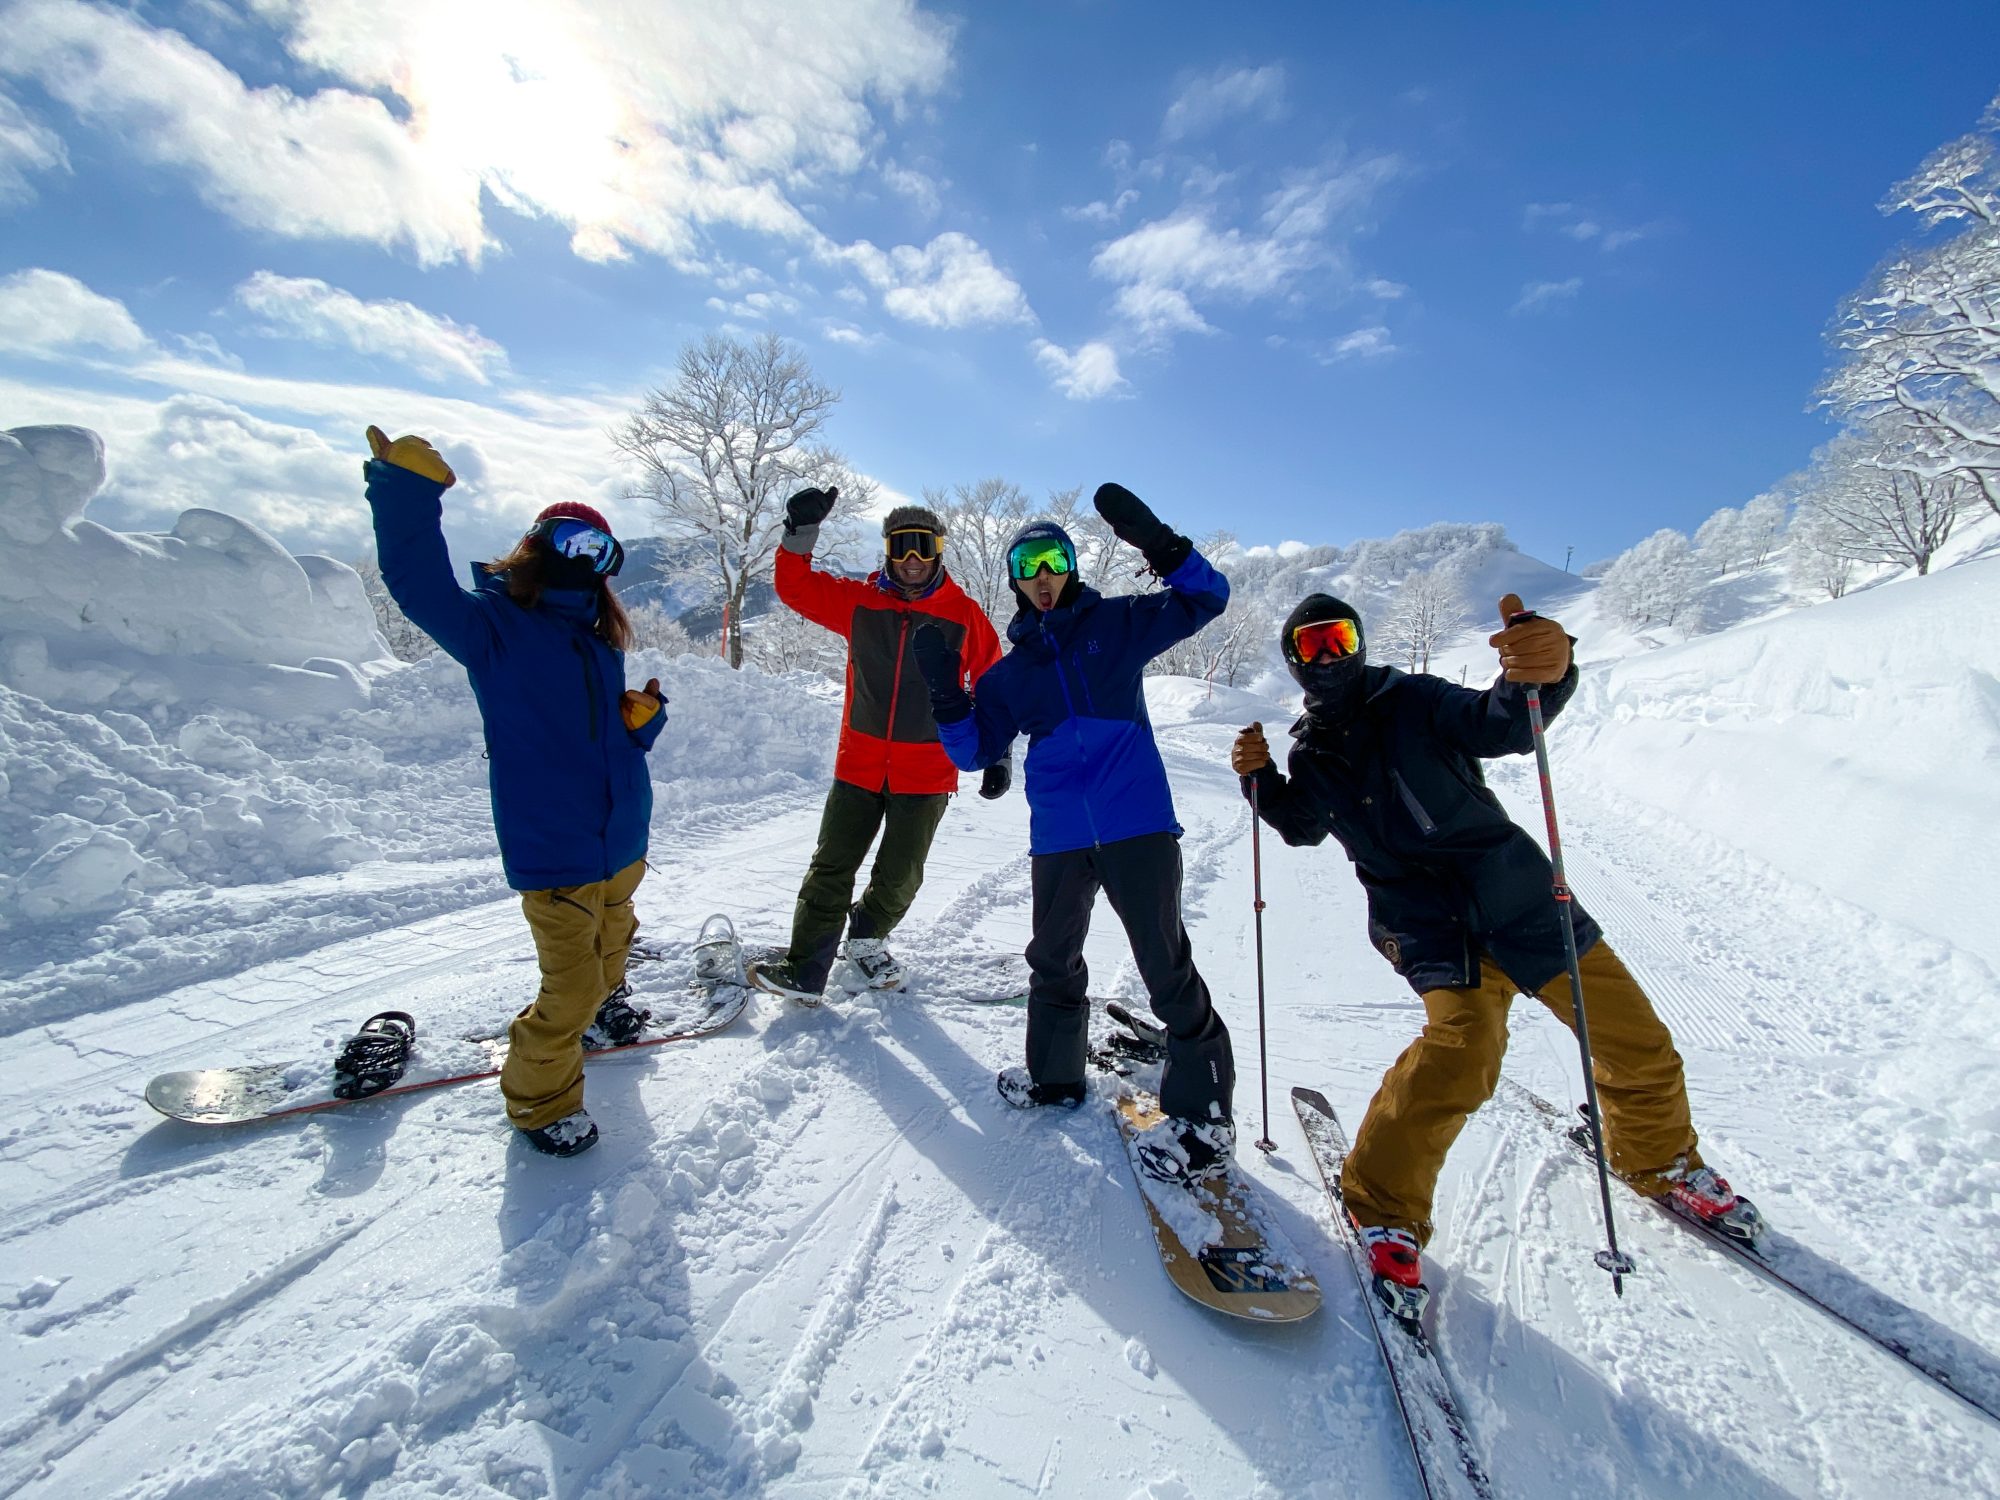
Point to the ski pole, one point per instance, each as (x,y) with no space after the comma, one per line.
(1263,1142)
(1611,1259)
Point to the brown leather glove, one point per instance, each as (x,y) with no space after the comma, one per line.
(1250,753)
(638,706)
(1532,649)
(411,453)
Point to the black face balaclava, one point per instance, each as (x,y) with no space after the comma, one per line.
(560,572)
(1334,689)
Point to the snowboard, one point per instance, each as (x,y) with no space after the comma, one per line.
(268,1091)
(1214,1242)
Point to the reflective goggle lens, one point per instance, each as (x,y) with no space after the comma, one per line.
(573,538)
(1029,558)
(902,544)
(1338,637)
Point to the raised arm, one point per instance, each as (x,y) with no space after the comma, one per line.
(406,481)
(1196,593)
(1534,651)
(975,732)
(820,597)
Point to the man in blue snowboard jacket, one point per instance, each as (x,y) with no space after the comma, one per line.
(1100,814)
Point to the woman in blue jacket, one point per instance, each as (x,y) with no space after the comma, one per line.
(1100,814)
(543,639)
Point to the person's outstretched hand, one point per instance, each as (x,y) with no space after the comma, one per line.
(1532,648)
(412,453)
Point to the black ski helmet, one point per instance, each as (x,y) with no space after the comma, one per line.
(1333,688)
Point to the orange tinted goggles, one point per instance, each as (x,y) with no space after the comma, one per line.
(1331,637)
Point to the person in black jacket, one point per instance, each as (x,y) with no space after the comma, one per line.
(1460,901)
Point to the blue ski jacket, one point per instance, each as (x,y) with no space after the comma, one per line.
(572,794)
(1073,684)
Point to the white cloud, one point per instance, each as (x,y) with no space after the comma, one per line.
(1089,374)
(1618,239)
(950,283)
(26,145)
(847,333)
(1363,343)
(637,124)
(920,188)
(311,310)
(1578,225)
(756,306)
(1156,313)
(1583,229)
(43,312)
(1223,95)
(1382,287)
(1101,212)
(1536,296)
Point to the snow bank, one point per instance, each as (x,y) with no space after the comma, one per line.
(214,612)
(1855,745)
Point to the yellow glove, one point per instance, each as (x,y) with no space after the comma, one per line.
(639,707)
(1251,752)
(411,453)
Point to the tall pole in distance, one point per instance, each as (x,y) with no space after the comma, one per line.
(1264,1142)
(1611,1259)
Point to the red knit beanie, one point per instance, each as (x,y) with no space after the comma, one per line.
(576,510)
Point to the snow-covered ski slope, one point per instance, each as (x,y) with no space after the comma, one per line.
(816,1255)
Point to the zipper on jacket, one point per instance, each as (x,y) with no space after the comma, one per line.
(589,681)
(1076,727)
(895,692)
(1410,801)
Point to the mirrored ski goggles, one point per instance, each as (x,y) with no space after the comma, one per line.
(1026,559)
(568,537)
(902,544)
(1333,637)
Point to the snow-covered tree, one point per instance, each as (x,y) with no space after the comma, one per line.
(980,519)
(1878,501)
(1720,541)
(1657,582)
(1922,337)
(406,640)
(653,629)
(1813,557)
(1762,525)
(781,641)
(1424,613)
(721,448)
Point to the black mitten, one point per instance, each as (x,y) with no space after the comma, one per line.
(942,672)
(809,508)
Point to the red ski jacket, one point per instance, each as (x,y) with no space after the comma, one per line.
(888,739)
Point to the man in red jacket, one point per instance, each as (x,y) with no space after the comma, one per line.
(890,774)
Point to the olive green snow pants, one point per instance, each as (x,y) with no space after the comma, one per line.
(582,934)
(908,822)
(1454,1065)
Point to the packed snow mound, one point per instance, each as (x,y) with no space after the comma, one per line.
(213,613)
(114,836)
(1878,713)
(1189,700)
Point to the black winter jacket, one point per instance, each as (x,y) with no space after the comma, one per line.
(1448,873)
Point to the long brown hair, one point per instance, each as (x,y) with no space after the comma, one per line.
(526,578)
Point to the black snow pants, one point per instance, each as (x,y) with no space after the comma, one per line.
(1142,879)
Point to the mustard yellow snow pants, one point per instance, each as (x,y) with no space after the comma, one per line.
(1453,1066)
(582,934)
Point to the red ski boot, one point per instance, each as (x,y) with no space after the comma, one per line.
(1700,1193)
(1398,1272)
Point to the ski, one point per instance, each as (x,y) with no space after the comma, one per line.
(1932,1350)
(1440,1442)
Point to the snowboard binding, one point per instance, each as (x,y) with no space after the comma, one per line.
(618,1022)
(375,1056)
(717,955)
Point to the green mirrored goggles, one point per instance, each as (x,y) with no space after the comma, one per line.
(1026,559)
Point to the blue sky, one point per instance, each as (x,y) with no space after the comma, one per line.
(1304,271)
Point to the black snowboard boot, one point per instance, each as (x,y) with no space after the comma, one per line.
(375,1056)
(1021,1091)
(618,1023)
(572,1135)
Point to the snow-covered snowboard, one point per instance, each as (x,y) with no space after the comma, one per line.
(1217,1243)
(235,1096)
